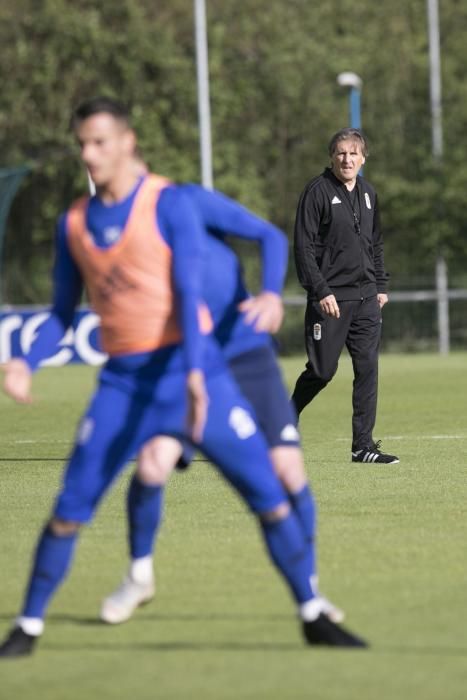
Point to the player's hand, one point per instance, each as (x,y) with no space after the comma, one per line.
(329,306)
(197,404)
(17,380)
(265,312)
(382,299)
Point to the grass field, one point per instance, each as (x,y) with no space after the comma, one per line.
(392,553)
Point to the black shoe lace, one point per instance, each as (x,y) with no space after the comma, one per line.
(377,446)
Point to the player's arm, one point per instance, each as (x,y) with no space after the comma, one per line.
(67,289)
(224,217)
(182,229)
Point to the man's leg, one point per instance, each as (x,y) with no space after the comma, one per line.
(233,442)
(52,560)
(324,340)
(156,462)
(259,378)
(363,344)
(106,438)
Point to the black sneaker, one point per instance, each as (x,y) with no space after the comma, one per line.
(18,643)
(373,455)
(324,632)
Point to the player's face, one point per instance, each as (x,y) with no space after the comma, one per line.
(107,147)
(347,160)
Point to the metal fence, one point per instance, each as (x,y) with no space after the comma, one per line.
(413,321)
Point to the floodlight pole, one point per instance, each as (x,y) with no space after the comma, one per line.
(435,81)
(355,110)
(437,152)
(204,112)
(354,83)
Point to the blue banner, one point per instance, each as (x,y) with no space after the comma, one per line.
(18,328)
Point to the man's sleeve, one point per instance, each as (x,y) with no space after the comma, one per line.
(183,231)
(378,253)
(307,224)
(66,294)
(223,217)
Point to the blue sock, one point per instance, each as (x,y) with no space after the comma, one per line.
(303,505)
(291,554)
(144,505)
(51,563)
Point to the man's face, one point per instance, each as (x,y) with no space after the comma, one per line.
(347,160)
(106,146)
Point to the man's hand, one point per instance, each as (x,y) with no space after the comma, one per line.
(382,300)
(17,380)
(197,404)
(265,312)
(329,306)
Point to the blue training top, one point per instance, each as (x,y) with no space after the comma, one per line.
(203,267)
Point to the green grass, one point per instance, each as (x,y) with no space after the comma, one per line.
(392,553)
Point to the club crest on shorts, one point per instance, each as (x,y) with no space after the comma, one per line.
(242,423)
(317,331)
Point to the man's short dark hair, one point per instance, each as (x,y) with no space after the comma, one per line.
(348,134)
(100,105)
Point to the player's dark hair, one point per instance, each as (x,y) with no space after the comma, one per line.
(100,105)
(348,134)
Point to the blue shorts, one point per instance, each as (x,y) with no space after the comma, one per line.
(259,377)
(119,421)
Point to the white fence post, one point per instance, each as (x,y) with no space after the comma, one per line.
(442,299)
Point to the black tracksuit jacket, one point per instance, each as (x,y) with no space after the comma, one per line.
(337,252)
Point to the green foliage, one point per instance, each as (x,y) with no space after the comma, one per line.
(274,100)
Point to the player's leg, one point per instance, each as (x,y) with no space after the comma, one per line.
(110,432)
(233,442)
(258,376)
(324,340)
(363,345)
(156,461)
(260,380)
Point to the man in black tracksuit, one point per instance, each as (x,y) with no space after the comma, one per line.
(339,260)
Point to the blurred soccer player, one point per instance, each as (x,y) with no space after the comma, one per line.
(242,327)
(165,374)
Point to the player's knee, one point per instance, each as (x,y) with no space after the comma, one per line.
(320,375)
(280,512)
(366,364)
(327,374)
(289,467)
(63,528)
(157,460)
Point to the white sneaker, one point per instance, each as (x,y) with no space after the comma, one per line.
(331,611)
(120,605)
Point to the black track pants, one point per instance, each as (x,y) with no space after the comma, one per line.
(359,328)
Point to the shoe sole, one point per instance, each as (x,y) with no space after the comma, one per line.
(359,461)
(118,619)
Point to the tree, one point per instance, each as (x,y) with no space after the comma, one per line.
(275,104)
